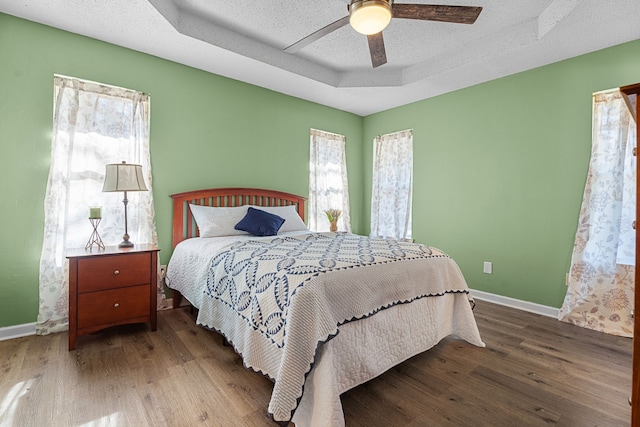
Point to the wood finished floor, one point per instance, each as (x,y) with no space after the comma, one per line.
(535,371)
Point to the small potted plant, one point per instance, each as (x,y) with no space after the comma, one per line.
(333,215)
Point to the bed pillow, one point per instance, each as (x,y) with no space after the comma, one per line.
(216,222)
(260,223)
(292,221)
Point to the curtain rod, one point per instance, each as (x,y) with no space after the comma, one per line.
(328,133)
(607,91)
(398,131)
(62,76)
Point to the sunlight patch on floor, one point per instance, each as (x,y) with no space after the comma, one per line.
(10,402)
(114,419)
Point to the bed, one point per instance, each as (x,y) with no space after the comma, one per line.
(318,313)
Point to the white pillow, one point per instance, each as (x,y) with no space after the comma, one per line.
(292,221)
(216,222)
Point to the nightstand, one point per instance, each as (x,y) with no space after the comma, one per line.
(111,287)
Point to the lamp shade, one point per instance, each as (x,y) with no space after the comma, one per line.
(124,177)
(370,16)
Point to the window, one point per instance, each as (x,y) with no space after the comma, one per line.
(93,125)
(392,185)
(328,188)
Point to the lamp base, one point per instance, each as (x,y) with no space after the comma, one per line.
(125,242)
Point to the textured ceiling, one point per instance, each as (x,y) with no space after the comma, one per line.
(244,40)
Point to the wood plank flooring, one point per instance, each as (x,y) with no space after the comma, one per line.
(535,371)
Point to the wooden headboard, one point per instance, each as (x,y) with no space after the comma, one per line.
(184,226)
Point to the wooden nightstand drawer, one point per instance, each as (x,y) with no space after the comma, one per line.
(113,271)
(113,306)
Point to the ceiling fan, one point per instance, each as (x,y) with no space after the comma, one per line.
(370,17)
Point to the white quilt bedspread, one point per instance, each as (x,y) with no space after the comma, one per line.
(367,348)
(278,312)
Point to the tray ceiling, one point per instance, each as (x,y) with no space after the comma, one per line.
(244,40)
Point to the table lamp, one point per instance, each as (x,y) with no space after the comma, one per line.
(124,177)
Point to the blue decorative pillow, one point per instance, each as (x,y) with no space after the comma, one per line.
(260,223)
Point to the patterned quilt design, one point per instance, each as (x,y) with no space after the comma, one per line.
(258,279)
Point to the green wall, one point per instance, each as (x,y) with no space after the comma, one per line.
(206,131)
(500,168)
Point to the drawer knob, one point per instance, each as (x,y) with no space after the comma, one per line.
(116,272)
(116,305)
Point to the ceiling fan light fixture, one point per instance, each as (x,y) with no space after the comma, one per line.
(370,16)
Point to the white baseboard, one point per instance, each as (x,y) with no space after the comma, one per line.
(17,331)
(516,303)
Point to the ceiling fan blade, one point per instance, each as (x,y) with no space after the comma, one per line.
(317,35)
(433,12)
(376,48)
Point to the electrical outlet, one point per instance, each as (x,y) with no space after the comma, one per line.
(163,271)
(488,267)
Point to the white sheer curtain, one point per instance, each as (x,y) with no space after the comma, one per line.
(600,289)
(328,186)
(391,193)
(93,125)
